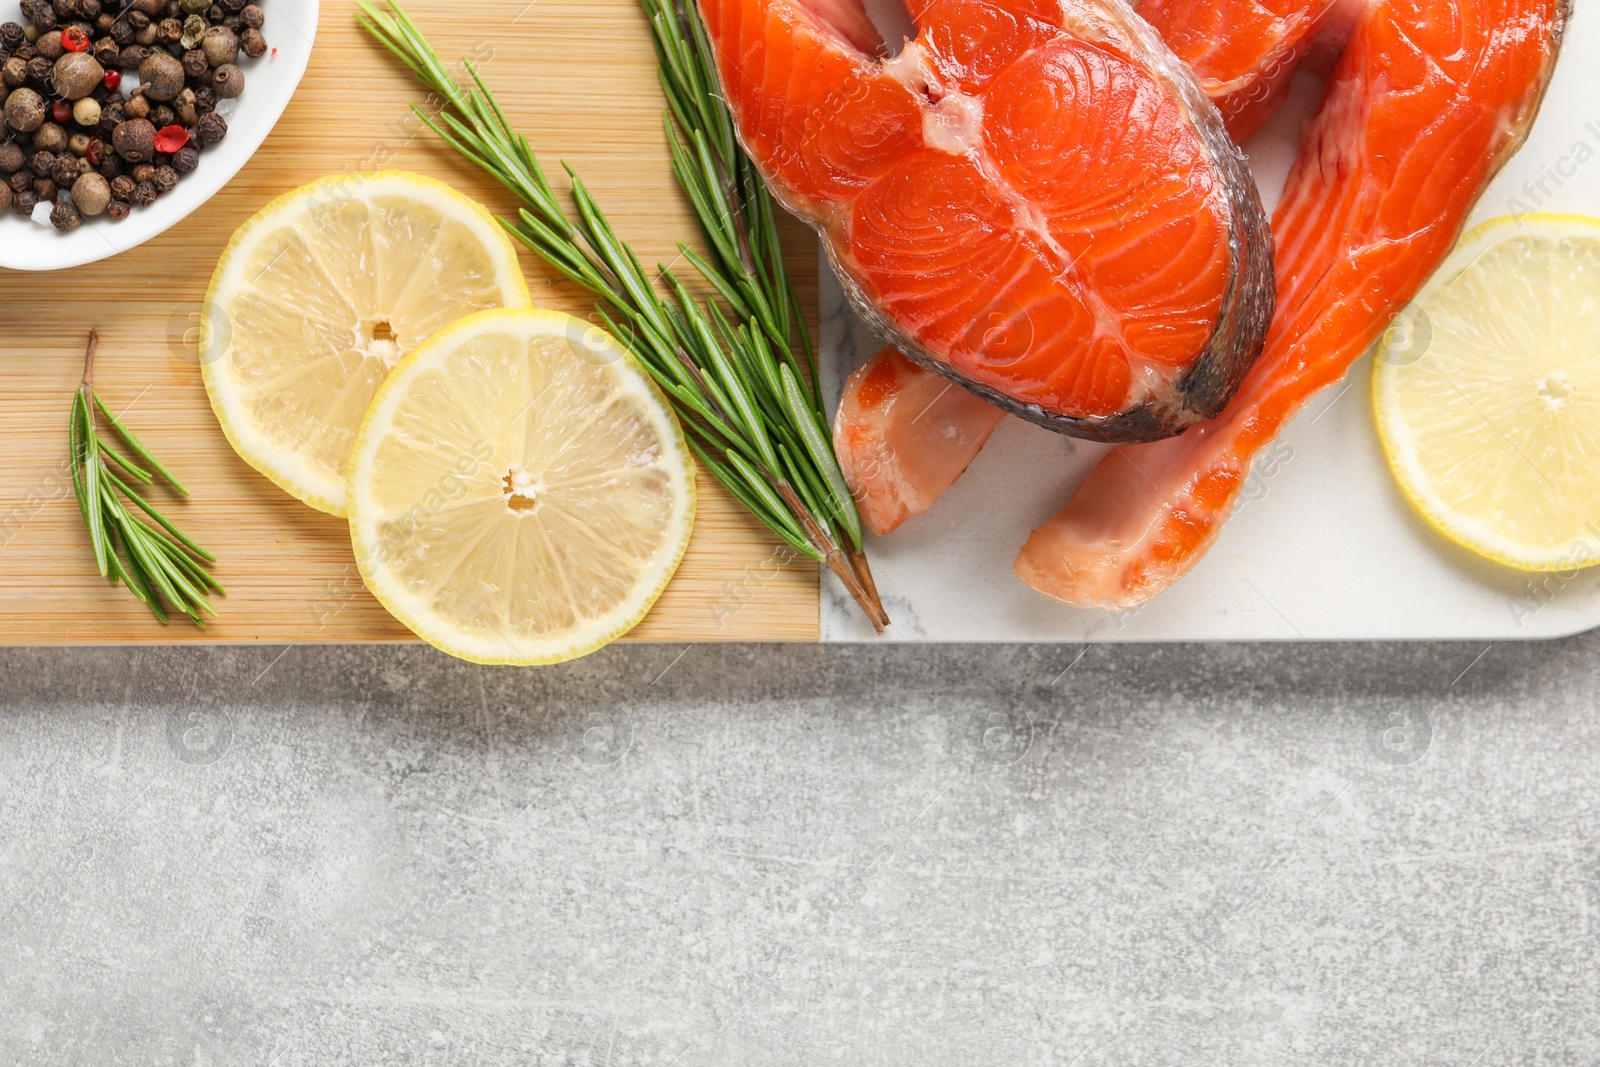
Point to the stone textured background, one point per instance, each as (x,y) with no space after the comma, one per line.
(731,856)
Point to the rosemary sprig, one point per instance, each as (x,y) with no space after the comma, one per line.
(159,564)
(745,392)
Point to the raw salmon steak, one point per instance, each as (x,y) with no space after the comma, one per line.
(903,436)
(1032,198)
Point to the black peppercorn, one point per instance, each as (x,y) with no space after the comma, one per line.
(195,64)
(122,33)
(45,188)
(117,210)
(42,162)
(25,202)
(107,54)
(166,179)
(252,44)
(211,129)
(122,188)
(22,179)
(186,159)
(252,16)
(11,36)
(162,116)
(65,217)
(145,195)
(143,172)
(169,31)
(39,71)
(15,72)
(65,171)
(132,56)
(40,13)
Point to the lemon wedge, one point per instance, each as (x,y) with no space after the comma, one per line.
(321,294)
(520,492)
(1487,394)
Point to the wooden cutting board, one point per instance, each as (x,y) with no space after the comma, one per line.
(578,77)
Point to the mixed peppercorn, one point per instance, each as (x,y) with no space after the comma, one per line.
(74,138)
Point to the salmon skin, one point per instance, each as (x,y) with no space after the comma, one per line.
(1032,199)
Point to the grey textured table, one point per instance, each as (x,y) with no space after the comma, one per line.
(734,855)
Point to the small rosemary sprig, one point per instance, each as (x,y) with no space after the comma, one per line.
(728,363)
(155,564)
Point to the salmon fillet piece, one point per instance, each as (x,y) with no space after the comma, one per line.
(1243,54)
(1428,101)
(1032,199)
(909,436)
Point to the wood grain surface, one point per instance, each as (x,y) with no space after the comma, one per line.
(578,77)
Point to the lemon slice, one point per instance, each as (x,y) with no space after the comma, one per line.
(321,294)
(520,491)
(1487,394)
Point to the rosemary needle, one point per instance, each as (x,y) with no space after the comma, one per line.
(743,386)
(161,565)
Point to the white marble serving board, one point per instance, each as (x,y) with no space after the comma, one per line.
(1324,548)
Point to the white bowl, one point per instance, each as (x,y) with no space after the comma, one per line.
(270,81)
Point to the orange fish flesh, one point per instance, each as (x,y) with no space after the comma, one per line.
(903,435)
(1032,198)
(1428,101)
